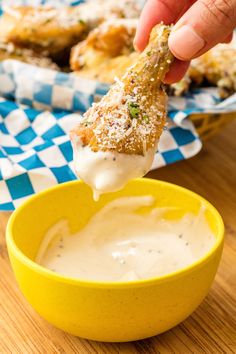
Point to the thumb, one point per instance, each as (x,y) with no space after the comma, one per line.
(206,23)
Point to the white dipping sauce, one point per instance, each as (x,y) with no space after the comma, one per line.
(108,171)
(119,243)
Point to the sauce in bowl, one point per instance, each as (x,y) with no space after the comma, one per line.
(121,243)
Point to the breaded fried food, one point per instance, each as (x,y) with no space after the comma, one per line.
(193,77)
(108,52)
(117,138)
(130,118)
(110,69)
(49,30)
(55,29)
(218,66)
(109,40)
(10,51)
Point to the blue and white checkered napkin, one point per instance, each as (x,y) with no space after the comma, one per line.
(36,114)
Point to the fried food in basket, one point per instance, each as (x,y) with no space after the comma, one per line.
(130,118)
(108,52)
(43,29)
(55,29)
(193,77)
(218,66)
(110,39)
(110,69)
(10,51)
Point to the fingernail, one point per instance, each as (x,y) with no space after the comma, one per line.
(136,48)
(184,42)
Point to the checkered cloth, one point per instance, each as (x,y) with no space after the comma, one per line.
(37,110)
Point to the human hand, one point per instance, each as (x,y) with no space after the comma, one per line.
(199,26)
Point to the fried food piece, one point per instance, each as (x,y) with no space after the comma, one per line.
(9,51)
(179,88)
(43,29)
(55,29)
(130,118)
(117,138)
(105,54)
(97,11)
(109,40)
(110,69)
(193,77)
(218,66)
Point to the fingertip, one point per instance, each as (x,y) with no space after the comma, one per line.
(177,71)
(171,45)
(185,42)
(139,43)
(228,39)
(155,11)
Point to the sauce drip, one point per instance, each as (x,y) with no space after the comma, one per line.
(106,171)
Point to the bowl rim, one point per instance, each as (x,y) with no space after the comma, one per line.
(14,249)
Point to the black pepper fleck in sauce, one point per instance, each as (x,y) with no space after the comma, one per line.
(114,159)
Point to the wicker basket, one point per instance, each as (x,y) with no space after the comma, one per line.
(208,124)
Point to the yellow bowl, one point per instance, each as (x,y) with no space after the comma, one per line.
(106,311)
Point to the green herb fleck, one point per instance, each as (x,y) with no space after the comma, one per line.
(47,20)
(149,53)
(133,109)
(81,22)
(146,119)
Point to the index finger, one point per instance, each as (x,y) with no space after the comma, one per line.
(154,12)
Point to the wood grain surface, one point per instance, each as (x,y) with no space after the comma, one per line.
(212,327)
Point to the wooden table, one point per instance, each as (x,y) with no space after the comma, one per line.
(211,329)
